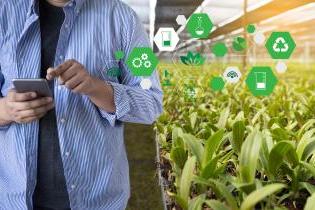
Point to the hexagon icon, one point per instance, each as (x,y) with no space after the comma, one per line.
(199,25)
(261,81)
(166,39)
(217,83)
(280,45)
(219,49)
(142,61)
(181,20)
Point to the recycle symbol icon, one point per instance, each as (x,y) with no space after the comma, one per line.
(280,45)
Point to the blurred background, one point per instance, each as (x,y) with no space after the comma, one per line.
(230,18)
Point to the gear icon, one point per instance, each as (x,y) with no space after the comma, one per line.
(137,62)
(147,64)
(144,56)
(142,61)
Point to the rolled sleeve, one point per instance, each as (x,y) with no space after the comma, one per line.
(121,103)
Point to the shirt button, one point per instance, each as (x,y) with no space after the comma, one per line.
(61,57)
(67,154)
(73,186)
(62,120)
(77,11)
(70,5)
(66,25)
(59,87)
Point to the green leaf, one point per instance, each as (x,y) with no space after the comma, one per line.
(257,115)
(216,205)
(238,135)
(193,119)
(194,145)
(310,203)
(255,197)
(309,167)
(177,134)
(306,139)
(309,187)
(249,156)
(306,127)
(180,201)
(184,60)
(211,146)
(197,202)
(209,170)
(224,115)
(308,151)
(282,150)
(186,179)
(220,190)
(197,58)
(280,134)
(179,156)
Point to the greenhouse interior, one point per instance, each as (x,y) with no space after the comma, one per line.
(222,145)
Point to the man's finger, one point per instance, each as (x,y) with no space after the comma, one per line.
(32,104)
(73,82)
(20,97)
(56,72)
(68,75)
(35,112)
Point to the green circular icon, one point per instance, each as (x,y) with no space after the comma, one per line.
(219,49)
(199,25)
(239,44)
(261,81)
(217,83)
(251,28)
(119,55)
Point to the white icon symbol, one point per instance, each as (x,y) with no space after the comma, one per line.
(278,49)
(166,39)
(261,80)
(200,30)
(232,74)
(143,61)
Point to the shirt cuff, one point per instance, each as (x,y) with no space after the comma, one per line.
(121,103)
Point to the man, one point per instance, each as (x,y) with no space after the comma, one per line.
(67,152)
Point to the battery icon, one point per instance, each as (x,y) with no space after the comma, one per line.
(166,38)
(261,80)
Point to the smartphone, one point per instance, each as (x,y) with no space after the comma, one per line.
(40,86)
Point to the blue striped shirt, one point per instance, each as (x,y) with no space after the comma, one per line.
(91,140)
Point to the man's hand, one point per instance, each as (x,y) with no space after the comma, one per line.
(74,76)
(24,107)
